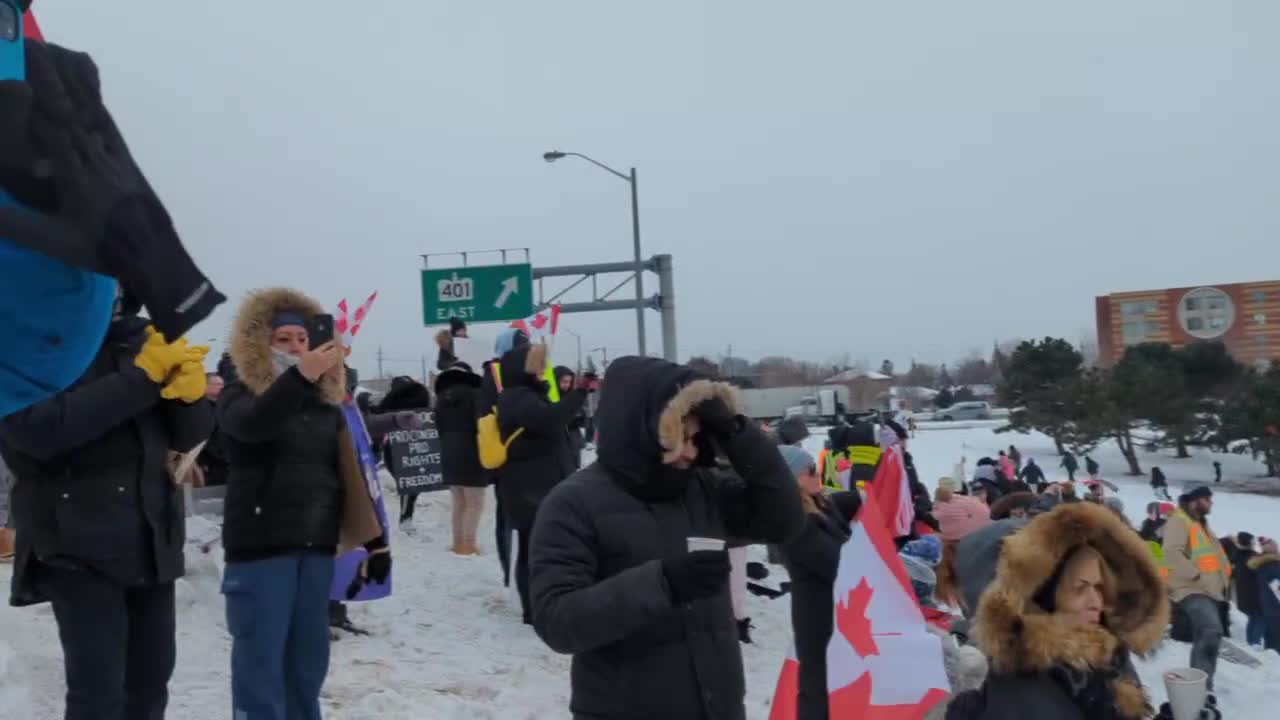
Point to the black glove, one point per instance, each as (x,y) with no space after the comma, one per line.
(103,216)
(696,575)
(376,568)
(717,419)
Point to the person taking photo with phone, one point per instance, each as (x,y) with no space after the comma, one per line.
(295,498)
(623,567)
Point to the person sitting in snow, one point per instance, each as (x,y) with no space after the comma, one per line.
(622,574)
(1075,594)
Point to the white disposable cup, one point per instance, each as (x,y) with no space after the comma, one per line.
(1187,689)
(701,543)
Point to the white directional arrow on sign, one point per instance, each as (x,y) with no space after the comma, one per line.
(510,287)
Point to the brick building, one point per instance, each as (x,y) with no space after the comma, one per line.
(1245,316)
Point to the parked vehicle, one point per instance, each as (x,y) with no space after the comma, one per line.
(964,411)
(815,404)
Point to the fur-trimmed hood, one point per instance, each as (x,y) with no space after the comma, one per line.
(640,416)
(250,347)
(1020,637)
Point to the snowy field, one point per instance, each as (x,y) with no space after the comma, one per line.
(449,643)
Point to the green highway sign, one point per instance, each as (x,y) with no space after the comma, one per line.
(477,294)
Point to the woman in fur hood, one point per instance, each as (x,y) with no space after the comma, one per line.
(1075,594)
(295,498)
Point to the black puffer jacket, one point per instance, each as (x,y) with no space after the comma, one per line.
(1248,599)
(811,559)
(599,592)
(578,425)
(457,397)
(93,490)
(281,434)
(541,456)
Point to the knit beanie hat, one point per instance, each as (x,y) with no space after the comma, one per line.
(950,483)
(961,516)
(927,549)
(923,578)
(797,459)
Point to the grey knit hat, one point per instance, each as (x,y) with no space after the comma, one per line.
(798,459)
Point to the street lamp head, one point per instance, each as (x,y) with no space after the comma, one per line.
(552,156)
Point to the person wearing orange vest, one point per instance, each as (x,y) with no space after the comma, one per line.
(1198,575)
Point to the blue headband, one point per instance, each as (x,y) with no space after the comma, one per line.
(288,317)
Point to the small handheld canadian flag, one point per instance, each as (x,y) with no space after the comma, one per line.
(542,327)
(882,662)
(345,326)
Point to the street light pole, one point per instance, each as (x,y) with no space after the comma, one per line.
(579,339)
(630,178)
(641,336)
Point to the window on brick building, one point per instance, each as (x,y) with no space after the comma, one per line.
(1137,331)
(1206,313)
(1137,309)
(1259,296)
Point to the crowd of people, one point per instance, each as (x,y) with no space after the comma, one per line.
(632,564)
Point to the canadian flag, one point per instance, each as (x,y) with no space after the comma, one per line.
(891,491)
(543,326)
(347,326)
(882,662)
(30,28)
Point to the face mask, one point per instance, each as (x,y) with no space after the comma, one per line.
(281,361)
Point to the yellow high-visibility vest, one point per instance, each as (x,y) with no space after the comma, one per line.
(553,388)
(1206,552)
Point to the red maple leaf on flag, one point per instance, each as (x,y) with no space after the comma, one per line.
(851,618)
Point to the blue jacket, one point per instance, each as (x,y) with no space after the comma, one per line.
(53,319)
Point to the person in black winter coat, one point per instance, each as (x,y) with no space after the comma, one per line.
(811,559)
(1070,464)
(486,402)
(540,457)
(100,523)
(1266,567)
(1033,475)
(457,390)
(1091,467)
(404,395)
(1245,578)
(1159,485)
(1076,592)
(650,623)
(566,379)
(296,497)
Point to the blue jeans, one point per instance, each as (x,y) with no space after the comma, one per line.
(1206,632)
(278,616)
(1255,631)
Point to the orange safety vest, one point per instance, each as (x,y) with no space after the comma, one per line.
(1206,552)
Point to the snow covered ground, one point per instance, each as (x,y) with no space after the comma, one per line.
(449,643)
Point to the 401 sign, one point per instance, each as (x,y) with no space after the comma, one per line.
(477,294)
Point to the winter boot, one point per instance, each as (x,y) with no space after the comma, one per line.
(6,544)
(744,630)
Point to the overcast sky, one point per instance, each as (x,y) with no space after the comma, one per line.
(884,179)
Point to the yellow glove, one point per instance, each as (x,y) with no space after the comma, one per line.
(158,357)
(189,385)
